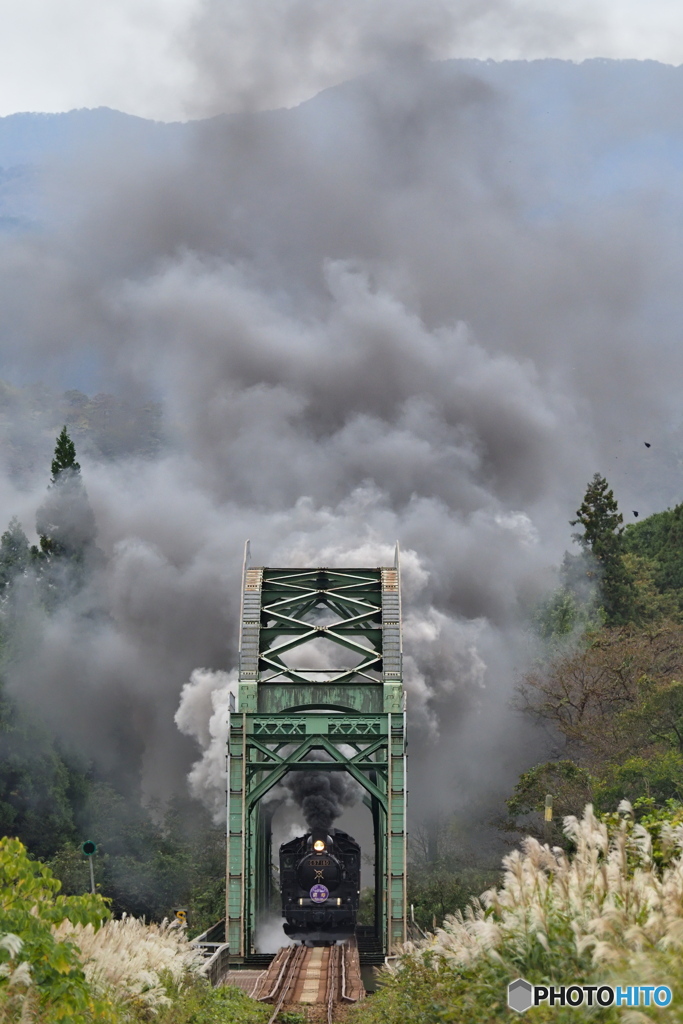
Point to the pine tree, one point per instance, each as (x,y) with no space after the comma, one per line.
(602,536)
(600,517)
(65,521)
(15,553)
(65,456)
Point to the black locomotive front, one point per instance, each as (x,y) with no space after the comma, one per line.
(320,885)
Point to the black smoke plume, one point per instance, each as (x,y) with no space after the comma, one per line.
(322,796)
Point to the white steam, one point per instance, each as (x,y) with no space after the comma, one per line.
(204,714)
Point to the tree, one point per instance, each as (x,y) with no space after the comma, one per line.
(65,521)
(15,553)
(64,461)
(570,787)
(600,517)
(602,537)
(617,703)
(656,778)
(594,696)
(30,908)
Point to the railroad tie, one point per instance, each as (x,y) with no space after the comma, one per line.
(314,968)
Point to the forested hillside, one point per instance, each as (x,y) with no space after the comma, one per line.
(53,797)
(609,685)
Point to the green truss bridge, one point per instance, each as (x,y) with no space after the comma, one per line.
(349,707)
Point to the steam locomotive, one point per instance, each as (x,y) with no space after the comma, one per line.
(320,886)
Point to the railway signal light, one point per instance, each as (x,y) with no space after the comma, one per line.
(90,849)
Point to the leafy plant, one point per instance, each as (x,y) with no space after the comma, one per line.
(198,1003)
(30,909)
(610,912)
(134,963)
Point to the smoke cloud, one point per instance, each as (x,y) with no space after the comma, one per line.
(255,54)
(416,307)
(322,796)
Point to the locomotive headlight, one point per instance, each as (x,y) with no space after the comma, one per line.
(318,845)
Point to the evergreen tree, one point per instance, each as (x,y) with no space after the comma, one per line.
(15,553)
(65,457)
(601,519)
(602,536)
(65,521)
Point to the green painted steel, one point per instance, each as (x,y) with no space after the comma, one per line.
(352,709)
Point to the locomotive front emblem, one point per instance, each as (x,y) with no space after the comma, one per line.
(319,893)
(318,874)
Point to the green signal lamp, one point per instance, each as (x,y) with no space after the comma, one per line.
(89,848)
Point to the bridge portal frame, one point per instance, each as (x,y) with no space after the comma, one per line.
(354,715)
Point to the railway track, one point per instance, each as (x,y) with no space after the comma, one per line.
(327,975)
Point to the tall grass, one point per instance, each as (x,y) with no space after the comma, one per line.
(607,912)
(132,962)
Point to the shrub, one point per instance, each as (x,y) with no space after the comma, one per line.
(198,1003)
(38,970)
(611,911)
(134,963)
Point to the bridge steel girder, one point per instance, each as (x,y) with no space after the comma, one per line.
(353,713)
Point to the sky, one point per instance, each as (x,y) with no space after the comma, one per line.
(180,59)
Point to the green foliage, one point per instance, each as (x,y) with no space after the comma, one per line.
(15,553)
(40,791)
(65,522)
(657,819)
(34,798)
(606,914)
(198,1003)
(64,460)
(659,540)
(657,712)
(602,536)
(150,859)
(437,893)
(434,990)
(148,862)
(366,906)
(617,702)
(651,603)
(570,787)
(29,908)
(565,780)
(558,616)
(600,518)
(657,778)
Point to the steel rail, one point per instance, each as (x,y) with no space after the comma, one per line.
(332,981)
(289,952)
(344,996)
(293,965)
